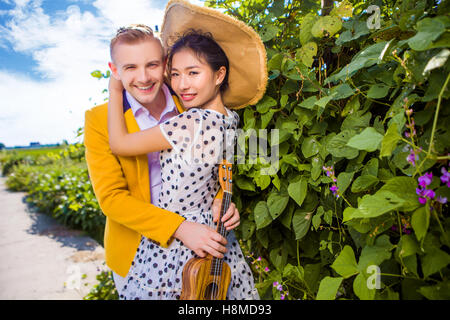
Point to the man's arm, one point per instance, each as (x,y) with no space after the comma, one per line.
(112,191)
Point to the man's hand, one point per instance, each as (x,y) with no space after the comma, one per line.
(201,239)
(230,219)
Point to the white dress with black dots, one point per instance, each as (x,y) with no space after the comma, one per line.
(189,174)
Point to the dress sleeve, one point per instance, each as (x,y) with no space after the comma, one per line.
(182,131)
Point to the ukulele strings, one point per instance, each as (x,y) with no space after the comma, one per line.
(218,263)
(218,268)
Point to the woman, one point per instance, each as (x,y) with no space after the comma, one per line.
(191,145)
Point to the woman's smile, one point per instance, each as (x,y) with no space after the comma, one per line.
(188,96)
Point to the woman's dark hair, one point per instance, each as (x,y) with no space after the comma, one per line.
(206,48)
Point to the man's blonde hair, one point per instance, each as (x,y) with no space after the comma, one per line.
(132,34)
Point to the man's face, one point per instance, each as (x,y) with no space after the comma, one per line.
(140,66)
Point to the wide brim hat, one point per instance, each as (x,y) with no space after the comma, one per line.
(247,77)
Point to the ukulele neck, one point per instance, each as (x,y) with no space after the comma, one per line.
(216,265)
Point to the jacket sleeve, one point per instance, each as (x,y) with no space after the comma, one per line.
(112,192)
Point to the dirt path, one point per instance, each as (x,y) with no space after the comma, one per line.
(40,258)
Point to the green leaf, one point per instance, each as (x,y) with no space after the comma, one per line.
(343,180)
(328,288)
(277,202)
(265,104)
(278,257)
(390,140)
(275,62)
(301,222)
(297,191)
(345,264)
(429,29)
(378,91)
(305,28)
(351,106)
(363,59)
(262,215)
(420,221)
(310,147)
(262,181)
(308,103)
(244,183)
(407,246)
(440,291)
(343,10)
(368,140)
(337,145)
(363,183)
(375,254)
(434,261)
(376,205)
(326,24)
(361,288)
(404,188)
(268,32)
(306,53)
(341,91)
(266,117)
(294,273)
(322,102)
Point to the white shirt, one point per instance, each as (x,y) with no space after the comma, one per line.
(145,120)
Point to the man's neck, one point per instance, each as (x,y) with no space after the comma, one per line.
(157,106)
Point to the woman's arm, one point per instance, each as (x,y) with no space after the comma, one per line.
(123,143)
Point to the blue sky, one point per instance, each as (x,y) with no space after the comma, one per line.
(48,48)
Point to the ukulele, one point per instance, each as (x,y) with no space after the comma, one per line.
(208,278)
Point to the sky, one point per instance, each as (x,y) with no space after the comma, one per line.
(48,49)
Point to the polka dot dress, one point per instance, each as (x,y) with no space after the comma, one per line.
(189,175)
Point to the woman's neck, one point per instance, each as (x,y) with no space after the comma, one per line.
(215,104)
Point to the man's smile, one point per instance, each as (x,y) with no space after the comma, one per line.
(146,89)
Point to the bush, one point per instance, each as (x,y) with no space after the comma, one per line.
(105,289)
(358,206)
(60,188)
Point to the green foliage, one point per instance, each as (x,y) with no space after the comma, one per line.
(57,183)
(105,289)
(373,105)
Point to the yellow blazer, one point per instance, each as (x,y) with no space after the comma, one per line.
(122,188)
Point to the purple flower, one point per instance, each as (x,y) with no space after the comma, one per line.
(425,180)
(424,194)
(442,200)
(412,157)
(333,188)
(429,194)
(445,178)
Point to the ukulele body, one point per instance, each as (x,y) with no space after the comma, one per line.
(200,284)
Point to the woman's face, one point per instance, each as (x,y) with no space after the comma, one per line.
(194,81)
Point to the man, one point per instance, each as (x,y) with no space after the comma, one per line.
(127,188)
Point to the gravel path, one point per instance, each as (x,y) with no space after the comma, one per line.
(41,259)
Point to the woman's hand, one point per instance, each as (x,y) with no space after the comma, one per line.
(115,85)
(230,219)
(201,239)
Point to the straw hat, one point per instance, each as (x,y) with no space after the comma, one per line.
(247,78)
